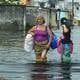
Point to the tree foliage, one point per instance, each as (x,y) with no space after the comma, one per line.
(6,2)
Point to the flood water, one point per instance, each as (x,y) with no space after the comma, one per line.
(16,64)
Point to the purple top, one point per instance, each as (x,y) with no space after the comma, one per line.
(40,35)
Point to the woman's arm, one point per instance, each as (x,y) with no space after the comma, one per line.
(31,31)
(50,36)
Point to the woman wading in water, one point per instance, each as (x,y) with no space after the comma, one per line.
(40,33)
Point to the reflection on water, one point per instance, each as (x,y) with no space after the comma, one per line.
(39,72)
(33,71)
(66,71)
(51,72)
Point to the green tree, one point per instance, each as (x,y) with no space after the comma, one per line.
(9,2)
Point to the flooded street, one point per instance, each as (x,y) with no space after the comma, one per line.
(16,64)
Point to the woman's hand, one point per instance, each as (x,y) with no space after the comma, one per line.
(31,31)
(47,46)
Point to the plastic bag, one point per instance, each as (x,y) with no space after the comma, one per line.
(28,43)
(54,41)
(53,44)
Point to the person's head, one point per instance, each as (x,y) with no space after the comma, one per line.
(66,28)
(63,20)
(40,20)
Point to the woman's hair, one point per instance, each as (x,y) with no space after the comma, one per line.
(63,20)
(40,18)
(68,26)
(68,34)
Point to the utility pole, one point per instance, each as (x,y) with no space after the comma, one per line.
(50,17)
(72,10)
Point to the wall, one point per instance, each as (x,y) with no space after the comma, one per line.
(11,17)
